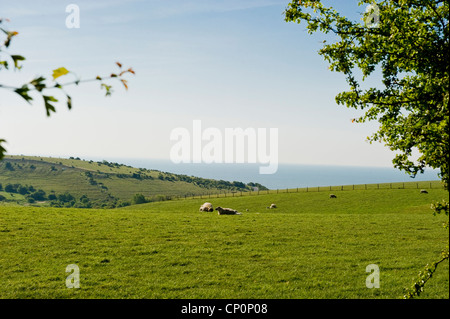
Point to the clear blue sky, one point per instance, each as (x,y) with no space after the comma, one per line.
(229,63)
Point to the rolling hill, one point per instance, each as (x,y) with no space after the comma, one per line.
(99,184)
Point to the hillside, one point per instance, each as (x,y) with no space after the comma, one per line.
(99,184)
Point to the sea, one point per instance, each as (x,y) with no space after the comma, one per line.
(287,175)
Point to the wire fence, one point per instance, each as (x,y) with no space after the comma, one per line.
(399,185)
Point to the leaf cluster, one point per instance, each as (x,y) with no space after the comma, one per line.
(409,47)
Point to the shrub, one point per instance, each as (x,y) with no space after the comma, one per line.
(38,195)
(11,188)
(22,190)
(138,199)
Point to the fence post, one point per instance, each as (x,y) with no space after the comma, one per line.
(306,188)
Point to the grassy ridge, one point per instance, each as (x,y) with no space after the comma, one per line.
(309,247)
(103,182)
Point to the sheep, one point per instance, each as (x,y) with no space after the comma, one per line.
(333,196)
(206,207)
(272,206)
(423,191)
(227,211)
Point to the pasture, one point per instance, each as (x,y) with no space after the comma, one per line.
(311,246)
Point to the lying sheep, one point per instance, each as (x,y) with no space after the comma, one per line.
(207,207)
(423,191)
(272,206)
(333,196)
(227,211)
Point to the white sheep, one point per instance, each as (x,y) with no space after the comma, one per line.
(207,207)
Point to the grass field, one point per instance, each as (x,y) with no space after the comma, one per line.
(311,246)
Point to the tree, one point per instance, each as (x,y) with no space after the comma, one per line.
(38,195)
(65,198)
(22,190)
(41,85)
(11,188)
(138,199)
(406,44)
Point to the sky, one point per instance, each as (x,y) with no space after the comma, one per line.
(227,63)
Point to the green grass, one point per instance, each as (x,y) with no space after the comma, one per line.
(309,247)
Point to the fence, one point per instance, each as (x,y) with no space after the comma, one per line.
(398,185)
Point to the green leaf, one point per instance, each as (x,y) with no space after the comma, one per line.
(23,92)
(69,102)
(5,64)
(16,59)
(108,89)
(2,149)
(49,107)
(38,83)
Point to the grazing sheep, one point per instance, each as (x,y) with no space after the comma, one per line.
(227,211)
(333,196)
(272,206)
(423,191)
(207,207)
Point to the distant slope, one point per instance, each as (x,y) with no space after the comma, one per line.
(104,183)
